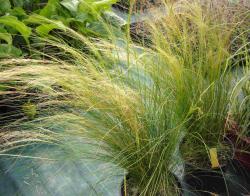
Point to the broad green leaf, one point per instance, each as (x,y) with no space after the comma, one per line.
(71,5)
(94,28)
(18,3)
(7,51)
(94,8)
(5,6)
(4,35)
(64,20)
(17,25)
(85,7)
(97,28)
(60,22)
(37,19)
(103,4)
(44,29)
(19,13)
(84,17)
(50,9)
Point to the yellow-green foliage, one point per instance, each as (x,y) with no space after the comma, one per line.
(93,100)
(193,59)
(134,104)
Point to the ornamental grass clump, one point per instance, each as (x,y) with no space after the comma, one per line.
(133,105)
(102,99)
(193,58)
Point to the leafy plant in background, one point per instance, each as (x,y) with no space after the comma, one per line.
(18,19)
(138,6)
(10,26)
(84,16)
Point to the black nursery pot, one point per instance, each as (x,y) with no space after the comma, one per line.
(206,181)
(233,179)
(239,183)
